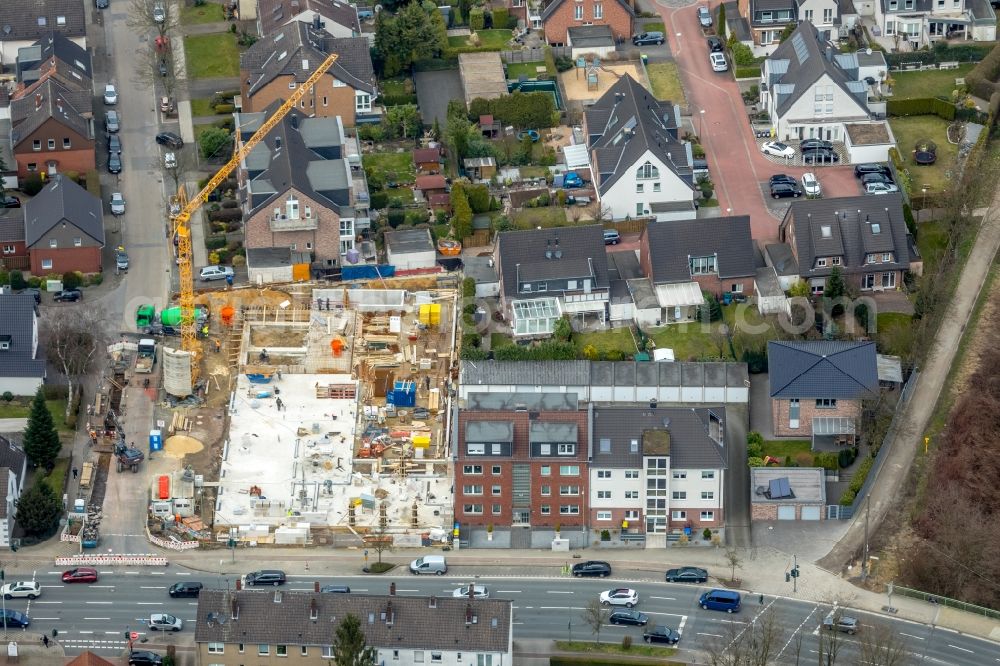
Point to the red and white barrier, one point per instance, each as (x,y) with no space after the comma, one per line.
(110,560)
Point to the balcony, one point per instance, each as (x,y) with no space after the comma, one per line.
(284,223)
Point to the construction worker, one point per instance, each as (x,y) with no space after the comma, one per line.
(218,346)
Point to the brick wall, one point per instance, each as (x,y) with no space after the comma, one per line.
(521,455)
(83,259)
(770,512)
(694,519)
(20,249)
(562,19)
(719,286)
(80,157)
(325,239)
(340,101)
(807,411)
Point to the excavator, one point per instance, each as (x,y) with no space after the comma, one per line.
(182,219)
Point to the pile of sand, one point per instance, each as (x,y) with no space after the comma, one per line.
(179,446)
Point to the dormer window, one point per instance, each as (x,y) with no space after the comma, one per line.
(5,342)
(647,172)
(60,20)
(836,261)
(292,208)
(821,263)
(886,257)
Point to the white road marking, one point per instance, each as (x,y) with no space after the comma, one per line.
(97,618)
(48,602)
(919,638)
(50,586)
(111,633)
(131,573)
(508,591)
(152,587)
(712,635)
(181,573)
(86,632)
(100,587)
(558,592)
(55,572)
(361,589)
(148,603)
(407,590)
(659,613)
(665,598)
(560,608)
(156,573)
(99,602)
(961,648)
(55,618)
(105,572)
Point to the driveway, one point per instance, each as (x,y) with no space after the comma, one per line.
(738,166)
(434,90)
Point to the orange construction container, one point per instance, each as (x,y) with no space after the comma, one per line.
(164,487)
(227,313)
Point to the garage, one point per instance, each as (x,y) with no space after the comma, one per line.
(786,513)
(810,513)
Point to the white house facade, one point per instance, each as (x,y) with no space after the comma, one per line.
(649,188)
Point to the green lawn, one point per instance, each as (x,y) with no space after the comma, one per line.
(516,70)
(938,176)
(202,106)
(207,13)
(498,340)
(895,334)
(932,83)
(495,39)
(14,410)
(533,171)
(550,216)
(615,648)
(666,82)
(212,56)
(396,86)
(653,26)
(397,167)
(690,341)
(781,448)
(57,477)
(932,240)
(612,339)
(405,194)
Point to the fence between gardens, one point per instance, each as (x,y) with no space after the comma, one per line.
(945,601)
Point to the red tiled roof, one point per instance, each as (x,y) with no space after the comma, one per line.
(431,182)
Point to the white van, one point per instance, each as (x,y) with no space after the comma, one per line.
(427,564)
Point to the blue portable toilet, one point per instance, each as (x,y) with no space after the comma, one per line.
(403,394)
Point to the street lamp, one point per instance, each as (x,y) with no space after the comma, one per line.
(701,122)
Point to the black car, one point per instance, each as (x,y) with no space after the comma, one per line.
(163,67)
(592,568)
(782,190)
(114,163)
(687,575)
(820,156)
(102,4)
(13,618)
(335,589)
(144,658)
(661,634)
(628,616)
(783,178)
(870,167)
(191,589)
(169,139)
(813,144)
(115,144)
(8,201)
(875,177)
(265,577)
(68,295)
(648,38)
(714,44)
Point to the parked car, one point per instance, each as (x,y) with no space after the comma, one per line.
(715,44)
(687,575)
(163,67)
(777,149)
(661,634)
(335,589)
(167,105)
(80,575)
(209,273)
(870,167)
(881,188)
(159,12)
(572,180)
(114,163)
(844,623)
(718,60)
(810,185)
(190,589)
(812,144)
(165,622)
(783,178)
(68,296)
(170,161)
(16,619)
(648,38)
(478,591)
(611,237)
(110,94)
(111,121)
(875,177)
(29,589)
(265,576)
(704,17)
(628,616)
(820,156)
(592,568)
(117,204)
(622,596)
(8,201)
(121,259)
(429,564)
(144,658)
(102,4)
(783,190)
(115,144)
(169,139)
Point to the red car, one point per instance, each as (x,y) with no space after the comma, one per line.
(80,575)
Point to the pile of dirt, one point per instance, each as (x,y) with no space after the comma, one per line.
(278,336)
(179,446)
(241,297)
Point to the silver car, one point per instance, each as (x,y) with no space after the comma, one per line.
(704,17)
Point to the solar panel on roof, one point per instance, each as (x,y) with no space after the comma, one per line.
(780,488)
(801,51)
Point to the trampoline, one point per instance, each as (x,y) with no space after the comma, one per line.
(925,152)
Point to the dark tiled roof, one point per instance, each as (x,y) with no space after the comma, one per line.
(17,319)
(822,369)
(845,227)
(672,243)
(50,99)
(506,402)
(406,241)
(782,259)
(799,62)
(283,52)
(275,13)
(63,200)
(601,373)
(624,265)
(28,20)
(421,155)
(11,225)
(591,35)
(524,253)
(554,5)
(691,447)
(544,373)
(262,619)
(625,124)
(11,457)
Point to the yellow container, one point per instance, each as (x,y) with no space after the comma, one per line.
(430,314)
(422,441)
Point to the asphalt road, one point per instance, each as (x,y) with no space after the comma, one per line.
(96,617)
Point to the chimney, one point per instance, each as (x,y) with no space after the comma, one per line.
(392,589)
(295,121)
(468,615)
(277,596)
(313,609)
(239,584)
(388,615)
(829,53)
(277,143)
(38,101)
(316,586)
(472,591)
(316,25)
(432,602)
(235,606)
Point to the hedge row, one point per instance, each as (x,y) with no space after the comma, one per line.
(921,106)
(941,52)
(453,51)
(401,99)
(857,480)
(983,80)
(750,72)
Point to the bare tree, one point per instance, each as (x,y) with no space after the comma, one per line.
(154,67)
(184,162)
(754,644)
(379,539)
(160,16)
(74,342)
(735,562)
(596,616)
(881,646)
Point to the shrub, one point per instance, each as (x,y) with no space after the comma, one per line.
(858,480)
(742,55)
(395,217)
(215,242)
(230,203)
(921,106)
(564,64)
(706,534)
(747,72)
(502,19)
(225,215)
(826,460)
(605,535)
(379,200)
(17,281)
(95,279)
(32,185)
(239,260)
(397,100)
(224,108)
(804,459)
(469,288)
(477,19)
(72,280)
(626,642)
(7,396)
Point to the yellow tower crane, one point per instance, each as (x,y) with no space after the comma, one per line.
(182,221)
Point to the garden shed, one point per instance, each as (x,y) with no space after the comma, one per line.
(410,249)
(482,76)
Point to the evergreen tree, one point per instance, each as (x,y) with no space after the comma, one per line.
(834,292)
(722,22)
(38,510)
(41,441)
(349,647)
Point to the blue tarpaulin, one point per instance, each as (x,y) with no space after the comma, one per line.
(367,272)
(403,394)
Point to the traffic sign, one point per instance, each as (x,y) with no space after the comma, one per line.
(134,635)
